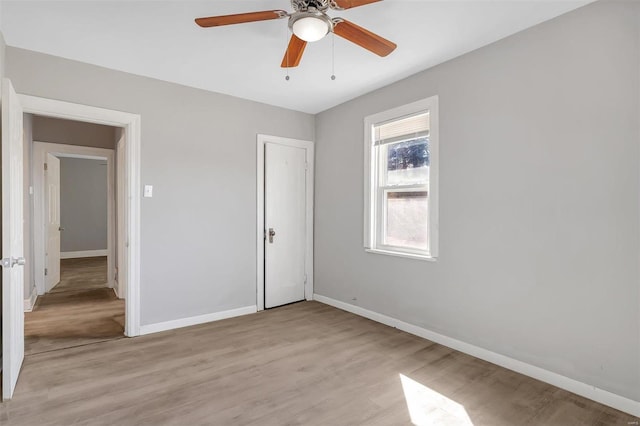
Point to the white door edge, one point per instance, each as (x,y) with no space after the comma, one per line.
(52,230)
(120,217)
(309,148)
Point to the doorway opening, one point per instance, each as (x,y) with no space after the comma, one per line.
(284,237)
(73,235)
(127,182)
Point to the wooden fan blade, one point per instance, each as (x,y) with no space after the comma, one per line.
(216,21)
(348,4)
(293,55)
(364,38)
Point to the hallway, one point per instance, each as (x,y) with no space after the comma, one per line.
(82,273)
(80,310)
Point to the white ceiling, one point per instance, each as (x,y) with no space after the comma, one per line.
(159,39)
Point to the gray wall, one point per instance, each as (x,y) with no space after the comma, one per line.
(199,152)
(54,130)
(83,204)
(539,218)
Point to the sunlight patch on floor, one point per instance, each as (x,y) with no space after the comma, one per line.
(428,407)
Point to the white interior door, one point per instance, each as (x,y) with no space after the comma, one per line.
(52,203)
(285,224)
(12,240)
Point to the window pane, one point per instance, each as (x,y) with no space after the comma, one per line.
(406,214)
(408,162)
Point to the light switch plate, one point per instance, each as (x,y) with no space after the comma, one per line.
(148,191)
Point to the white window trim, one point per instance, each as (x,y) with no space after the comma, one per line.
(430,104)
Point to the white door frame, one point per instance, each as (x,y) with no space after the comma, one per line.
(309,148)
(130,172)
(121,232)
(40,151)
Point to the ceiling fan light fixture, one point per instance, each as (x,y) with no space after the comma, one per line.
(311,27)
(309,22)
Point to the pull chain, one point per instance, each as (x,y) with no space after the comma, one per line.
(333,56)
(286,40)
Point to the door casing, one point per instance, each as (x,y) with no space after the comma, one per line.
(309,148)
(40,151)
(131,125)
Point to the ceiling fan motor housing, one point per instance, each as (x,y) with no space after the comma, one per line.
(305,5)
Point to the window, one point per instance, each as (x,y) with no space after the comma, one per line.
(401,163)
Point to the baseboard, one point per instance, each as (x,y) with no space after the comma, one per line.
(30,301)
(200,319)
(588,391)
(84,253)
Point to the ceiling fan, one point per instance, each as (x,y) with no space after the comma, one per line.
(309,22)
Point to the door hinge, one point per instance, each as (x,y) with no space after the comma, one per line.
(46,271)
(305,278)
(45,166)
(306,165)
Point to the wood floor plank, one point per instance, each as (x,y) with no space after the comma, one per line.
(304,364)
(82,274)
(80,310)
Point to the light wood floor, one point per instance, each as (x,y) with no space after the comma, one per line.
(82,274)
(305,363)
(78,311)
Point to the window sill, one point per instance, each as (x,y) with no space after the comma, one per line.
(401,254)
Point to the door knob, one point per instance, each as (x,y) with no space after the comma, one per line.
(60,228)
(272,234)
